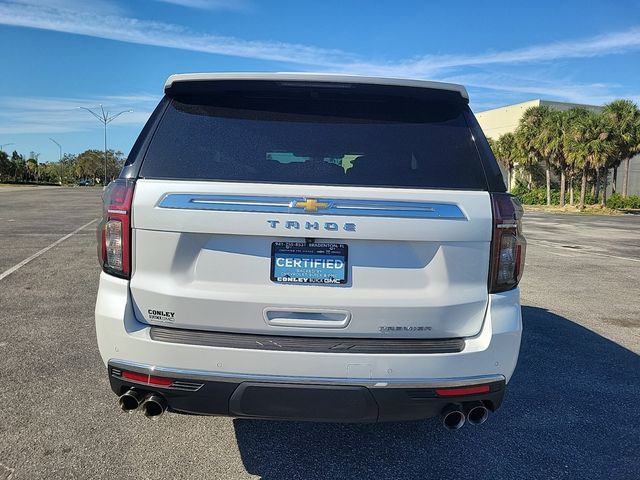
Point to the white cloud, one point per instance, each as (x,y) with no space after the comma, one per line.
(491,73)
(48,115)
(144,32)
(607,44)
(61,16)
(538,84)
(241,5)
(102,7)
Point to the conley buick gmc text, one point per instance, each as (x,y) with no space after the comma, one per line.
(310,247)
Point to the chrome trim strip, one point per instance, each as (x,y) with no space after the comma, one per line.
(186,386)
(243,377)
(285,343)
(268,204)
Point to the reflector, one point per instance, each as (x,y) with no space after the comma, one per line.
(135,376)
(148,379)
(461,391)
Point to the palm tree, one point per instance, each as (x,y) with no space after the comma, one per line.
(507,153)
(612,163)
(590,144)
(623,117)
(529,141)
(572,156)
(552,144)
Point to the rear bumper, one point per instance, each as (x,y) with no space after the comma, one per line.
(327,400)
(387,380)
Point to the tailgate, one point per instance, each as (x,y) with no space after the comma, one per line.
(417,262)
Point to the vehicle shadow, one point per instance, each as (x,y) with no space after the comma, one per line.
(570,412)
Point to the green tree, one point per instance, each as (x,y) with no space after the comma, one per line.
(49,172)
(590,146)
(115,162)
(19,166)
(6,167)
(32,166)
(551,143)
(507,152)
(572,156)
(623,117)
(68,168)
(529,142)
(90,164)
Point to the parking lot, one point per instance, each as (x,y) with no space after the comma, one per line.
(571,410)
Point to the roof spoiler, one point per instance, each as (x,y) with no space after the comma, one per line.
(194,83)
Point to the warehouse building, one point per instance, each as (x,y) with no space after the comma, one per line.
(498,121)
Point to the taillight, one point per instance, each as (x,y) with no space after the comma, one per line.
(508,245)
(115,228)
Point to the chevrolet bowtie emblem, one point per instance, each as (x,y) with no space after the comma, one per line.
(311,205)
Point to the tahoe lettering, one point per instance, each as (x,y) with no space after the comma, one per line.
(329,226)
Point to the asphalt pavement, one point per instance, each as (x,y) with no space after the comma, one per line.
(570,411)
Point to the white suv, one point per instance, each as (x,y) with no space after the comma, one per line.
(311,247)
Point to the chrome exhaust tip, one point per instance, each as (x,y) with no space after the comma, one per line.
(453,417)
(154,406)
(130,400)
(477,413)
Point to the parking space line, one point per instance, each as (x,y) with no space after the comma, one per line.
(6,273)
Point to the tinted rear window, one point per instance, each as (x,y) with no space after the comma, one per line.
(317,137)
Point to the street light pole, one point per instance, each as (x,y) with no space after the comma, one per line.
(105,152)
(4,145)
(59,159)
(105,118)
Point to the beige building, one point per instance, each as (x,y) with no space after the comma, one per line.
(498,121)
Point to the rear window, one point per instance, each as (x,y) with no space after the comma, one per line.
(317,137)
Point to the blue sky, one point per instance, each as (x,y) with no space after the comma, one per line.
(61,54)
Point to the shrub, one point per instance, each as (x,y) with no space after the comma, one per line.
(519,190)
(538,196)
(617,201)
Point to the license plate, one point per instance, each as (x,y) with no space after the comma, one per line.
(310,263)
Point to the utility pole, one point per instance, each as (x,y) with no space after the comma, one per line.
(59,159)
(105,118)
